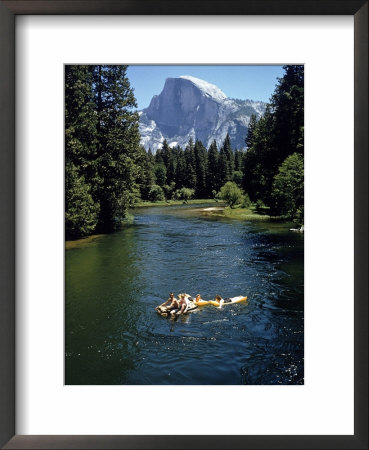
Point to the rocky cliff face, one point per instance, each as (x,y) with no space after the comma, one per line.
(189,107)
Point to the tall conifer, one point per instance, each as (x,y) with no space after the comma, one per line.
(201,169)
(81,208)
(118,143)
(190,172)
(213,177)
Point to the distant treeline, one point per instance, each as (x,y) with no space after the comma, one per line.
(107,170)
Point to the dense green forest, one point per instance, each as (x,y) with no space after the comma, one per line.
(107,171)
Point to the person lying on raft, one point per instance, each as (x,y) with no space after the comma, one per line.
(221,300)
(198,297)
(172,302)
(183,305)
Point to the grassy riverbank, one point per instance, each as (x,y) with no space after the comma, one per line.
(82,241)
(251,213)
(217,209)
(176,203)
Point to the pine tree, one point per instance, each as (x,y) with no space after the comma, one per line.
(190,172)
(168,156)
(226,160)
(259,161)
(165,153)
(181,169)
(214,183)
(230,155)
(80,118)
(250,131)
(148,175)
(277,135)
(288,105)
(288,188)
(159,157)
(238,159)
(118,144)
(80,152)
(201,170)
(160,172)
(81,212)
(151,156)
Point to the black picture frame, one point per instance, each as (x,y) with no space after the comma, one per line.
(8,12)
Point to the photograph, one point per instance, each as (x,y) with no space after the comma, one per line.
(184,224)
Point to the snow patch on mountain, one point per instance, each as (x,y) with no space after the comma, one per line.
(207,88)
(188,108)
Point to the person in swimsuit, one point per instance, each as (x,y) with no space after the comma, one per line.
(172,302)
(183,305)
(198,297)
(221,300)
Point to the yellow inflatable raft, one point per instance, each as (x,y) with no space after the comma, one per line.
(229,301)
(162,310)
(202,302)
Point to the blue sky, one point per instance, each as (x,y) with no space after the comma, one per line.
(244,82)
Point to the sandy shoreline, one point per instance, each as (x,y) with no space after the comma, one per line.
(214,208)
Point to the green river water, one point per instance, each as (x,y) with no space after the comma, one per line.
(113,283)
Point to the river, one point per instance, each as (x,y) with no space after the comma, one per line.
(113,335)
